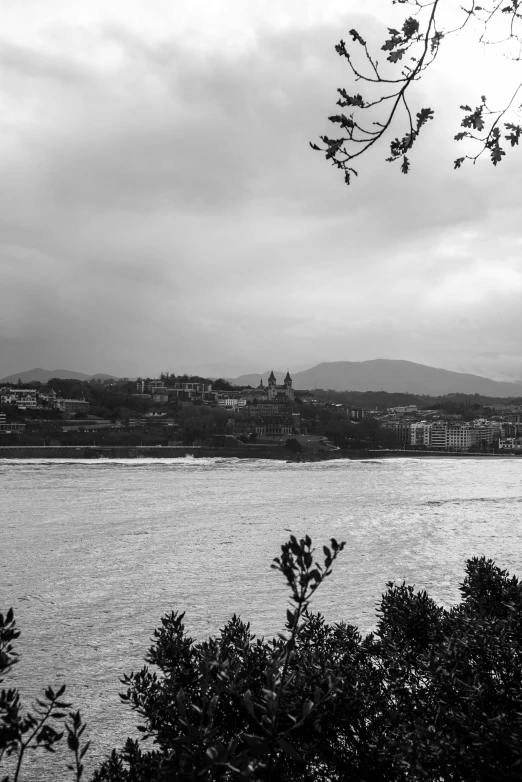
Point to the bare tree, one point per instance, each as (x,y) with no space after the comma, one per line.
(414,48)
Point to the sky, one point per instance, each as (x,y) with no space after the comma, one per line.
(161,209)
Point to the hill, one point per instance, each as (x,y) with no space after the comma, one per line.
(44,375)
(390,375)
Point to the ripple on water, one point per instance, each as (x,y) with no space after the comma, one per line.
(96,551)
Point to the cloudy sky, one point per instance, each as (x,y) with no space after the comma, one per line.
(161,209)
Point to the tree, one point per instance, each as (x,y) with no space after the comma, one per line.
(410,52)
(293,445)
(23,732)
(435,694)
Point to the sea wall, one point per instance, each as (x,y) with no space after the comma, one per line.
(158,451)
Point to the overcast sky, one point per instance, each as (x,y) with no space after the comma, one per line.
(160,208)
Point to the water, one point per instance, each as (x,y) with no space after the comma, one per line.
(93,553)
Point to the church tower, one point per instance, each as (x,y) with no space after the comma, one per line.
(288,387)
(272,387)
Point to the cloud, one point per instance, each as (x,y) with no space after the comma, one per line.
(160,207)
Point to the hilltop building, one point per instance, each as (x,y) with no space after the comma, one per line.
(275,392)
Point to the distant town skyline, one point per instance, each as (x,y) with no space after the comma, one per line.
(161,208)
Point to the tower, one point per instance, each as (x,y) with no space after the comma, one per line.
(289,391)
(272,387)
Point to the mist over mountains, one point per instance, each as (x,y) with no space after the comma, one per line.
(388,375)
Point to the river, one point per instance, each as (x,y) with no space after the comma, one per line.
(94,552)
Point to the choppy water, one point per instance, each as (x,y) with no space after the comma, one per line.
(93,553)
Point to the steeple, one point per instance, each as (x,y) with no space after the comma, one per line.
(272,379)
(288,379)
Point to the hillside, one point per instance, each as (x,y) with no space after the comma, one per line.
(390,375)
(44,375)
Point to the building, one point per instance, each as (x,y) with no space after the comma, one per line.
(191,389)
(401,429)
(10,426)
(459,438)
(148,386)
(72,406)
(439,435)
(510,444)
(21,397)
(482,435)
(273,425)
(420,434)
(231,402)
(356,413)
(275,392)
(265,408)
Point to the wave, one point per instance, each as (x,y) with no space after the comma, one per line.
(473,500)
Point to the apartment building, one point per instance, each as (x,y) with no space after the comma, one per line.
(420,434)
(458,438)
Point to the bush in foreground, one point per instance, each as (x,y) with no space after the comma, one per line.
(434,694)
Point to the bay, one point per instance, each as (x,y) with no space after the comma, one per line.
(93,553)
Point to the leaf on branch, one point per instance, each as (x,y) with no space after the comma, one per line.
(474,120)
(314,146)
(461,135)
(423,116)
(405,165)
(514,136)
(350,100)
(356,37)
(458,162)
(497,153)
(342,120)
(396,56)
(410,28)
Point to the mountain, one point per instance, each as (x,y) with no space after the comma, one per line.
(253,379)
(44,375)
(390,375)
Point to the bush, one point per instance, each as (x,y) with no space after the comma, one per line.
(434,694)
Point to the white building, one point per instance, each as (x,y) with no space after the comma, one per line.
(420,434)
(21,397)
(459,438)
(232,403)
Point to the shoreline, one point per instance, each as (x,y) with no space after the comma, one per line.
(272,452)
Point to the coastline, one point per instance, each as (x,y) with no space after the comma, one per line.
(274,452)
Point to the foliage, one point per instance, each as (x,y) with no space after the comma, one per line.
(21,733)
(435,694)
(293,445)
(412,49)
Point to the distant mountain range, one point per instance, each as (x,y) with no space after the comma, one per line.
(388,375)
(44,375)
(376,375)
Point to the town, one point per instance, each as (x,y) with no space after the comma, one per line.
(192,411)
